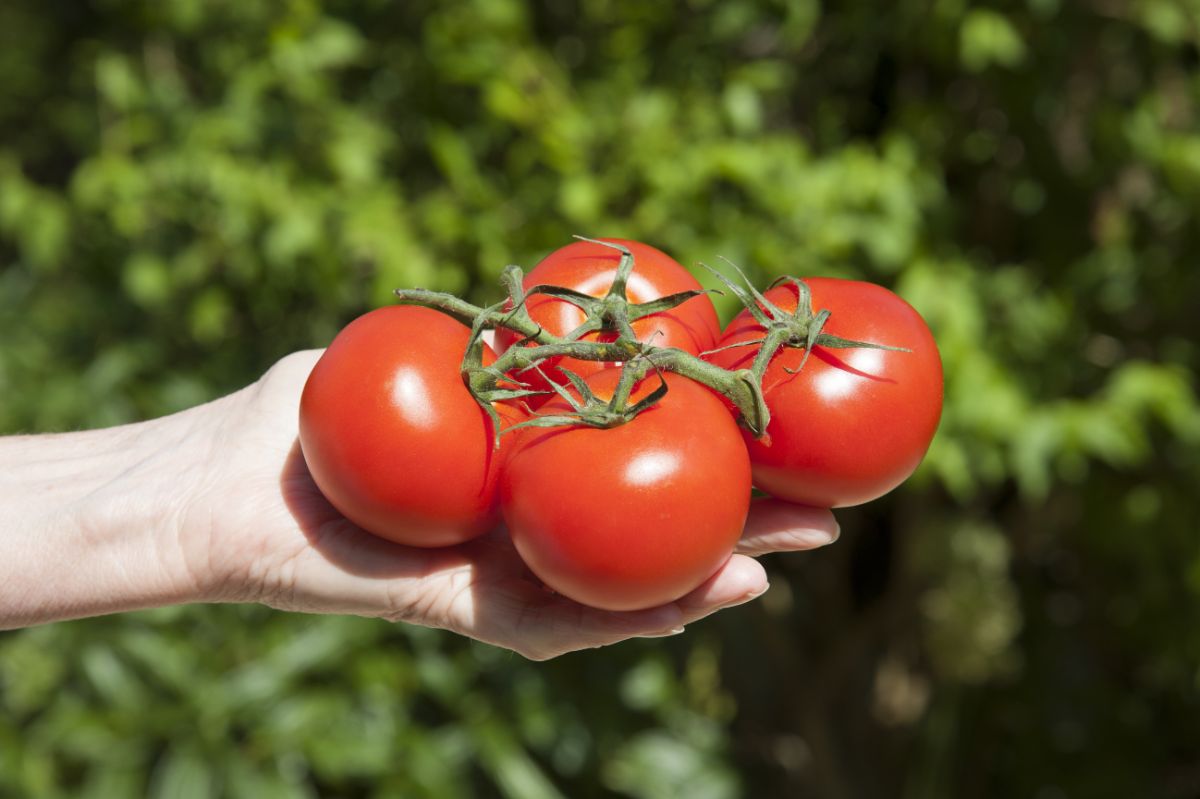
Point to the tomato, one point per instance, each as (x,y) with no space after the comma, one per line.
(632,516)
(590,269)
(391,435)
(853,423)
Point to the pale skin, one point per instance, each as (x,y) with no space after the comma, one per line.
(215,504)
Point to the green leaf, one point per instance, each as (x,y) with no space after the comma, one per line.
(182,773)
(987,38)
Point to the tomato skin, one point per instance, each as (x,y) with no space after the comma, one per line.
(391,435)
(853,423)
(632,516)
(590,268)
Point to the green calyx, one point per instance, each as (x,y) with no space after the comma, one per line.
(801,328)
(591,411)
(612,312)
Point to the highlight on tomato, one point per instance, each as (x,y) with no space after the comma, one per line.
(392,436)
(852,423)
(631,516)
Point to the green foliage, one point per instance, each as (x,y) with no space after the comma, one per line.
(190,190)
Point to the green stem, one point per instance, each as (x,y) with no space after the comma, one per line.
(631,373)
(740,387)
(467,313)
(771,344)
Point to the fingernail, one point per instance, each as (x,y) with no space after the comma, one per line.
(665,633)
(748,597)
(822,538)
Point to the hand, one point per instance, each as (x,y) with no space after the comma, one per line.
(215,504)
(260,530)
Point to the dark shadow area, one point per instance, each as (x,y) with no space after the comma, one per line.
(498,576)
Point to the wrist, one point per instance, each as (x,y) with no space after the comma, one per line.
(94,521)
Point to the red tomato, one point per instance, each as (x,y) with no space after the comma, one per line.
(391,435)
(853,423)
(590,268)
(632,516)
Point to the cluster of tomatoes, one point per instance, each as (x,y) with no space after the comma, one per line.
(638,513)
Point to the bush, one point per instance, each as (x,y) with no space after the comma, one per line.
(190,190)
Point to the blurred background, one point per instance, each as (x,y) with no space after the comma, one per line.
(189,190)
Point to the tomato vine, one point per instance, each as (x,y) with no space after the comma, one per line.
(613,313)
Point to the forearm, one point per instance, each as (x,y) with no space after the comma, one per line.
(88,521)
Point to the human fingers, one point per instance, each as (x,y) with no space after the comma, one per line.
(541,625)
(740,580)
(777,526)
